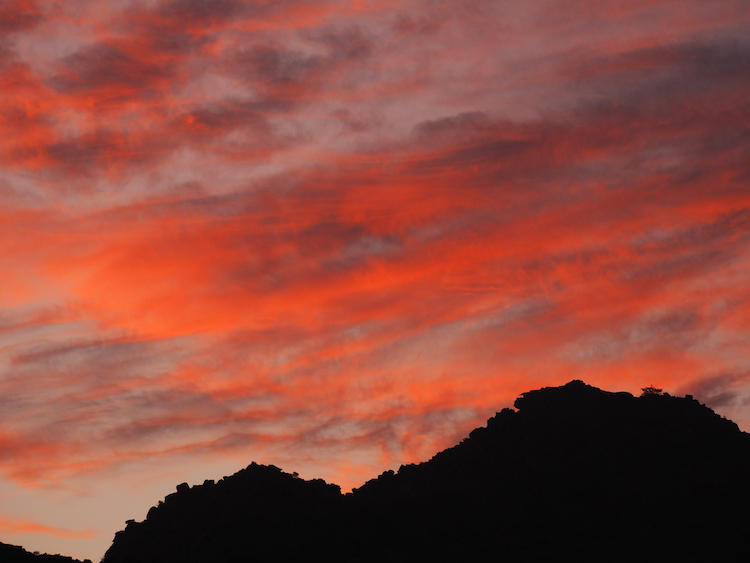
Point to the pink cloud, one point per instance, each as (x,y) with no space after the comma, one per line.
(17,526)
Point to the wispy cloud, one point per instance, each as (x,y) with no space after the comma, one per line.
(16,526)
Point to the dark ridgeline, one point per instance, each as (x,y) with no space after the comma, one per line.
(17,554)
(576,473)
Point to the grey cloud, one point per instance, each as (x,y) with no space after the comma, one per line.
(204,12)
(83,361)
(18,16)
(416,25)
(103,65)
(677,329)
(470,121)
(7,54)
(692,250)
(406,428)
(81,154)
(68,390)
(705,62)
(294,76)
(724,55)
(705,75)
(110,393)
(356,251)
(278,65)
(720,390)
(656,332)
(161,412)
(86,154)
(327,237)
(169,27)
(371,245)
(489,152)
(314,253)
(15,115)
(184,201)
(223,117)
(680,125)
(344,43)
(671,115)
(338,246)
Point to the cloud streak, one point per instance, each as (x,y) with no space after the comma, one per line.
(14,526)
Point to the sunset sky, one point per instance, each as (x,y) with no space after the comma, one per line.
(336,236)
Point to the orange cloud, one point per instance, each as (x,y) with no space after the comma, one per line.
(17,526)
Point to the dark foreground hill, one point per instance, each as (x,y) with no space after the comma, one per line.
(576,473)
(17,554)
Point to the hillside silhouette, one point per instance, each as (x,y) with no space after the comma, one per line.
(575,473)
(16,554)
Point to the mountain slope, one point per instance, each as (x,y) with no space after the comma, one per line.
(575,472)
(16,554)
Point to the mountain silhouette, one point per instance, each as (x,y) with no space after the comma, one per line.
(16,554)
(575,473)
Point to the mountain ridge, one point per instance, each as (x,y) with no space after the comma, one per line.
(575,471)
(10,553)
